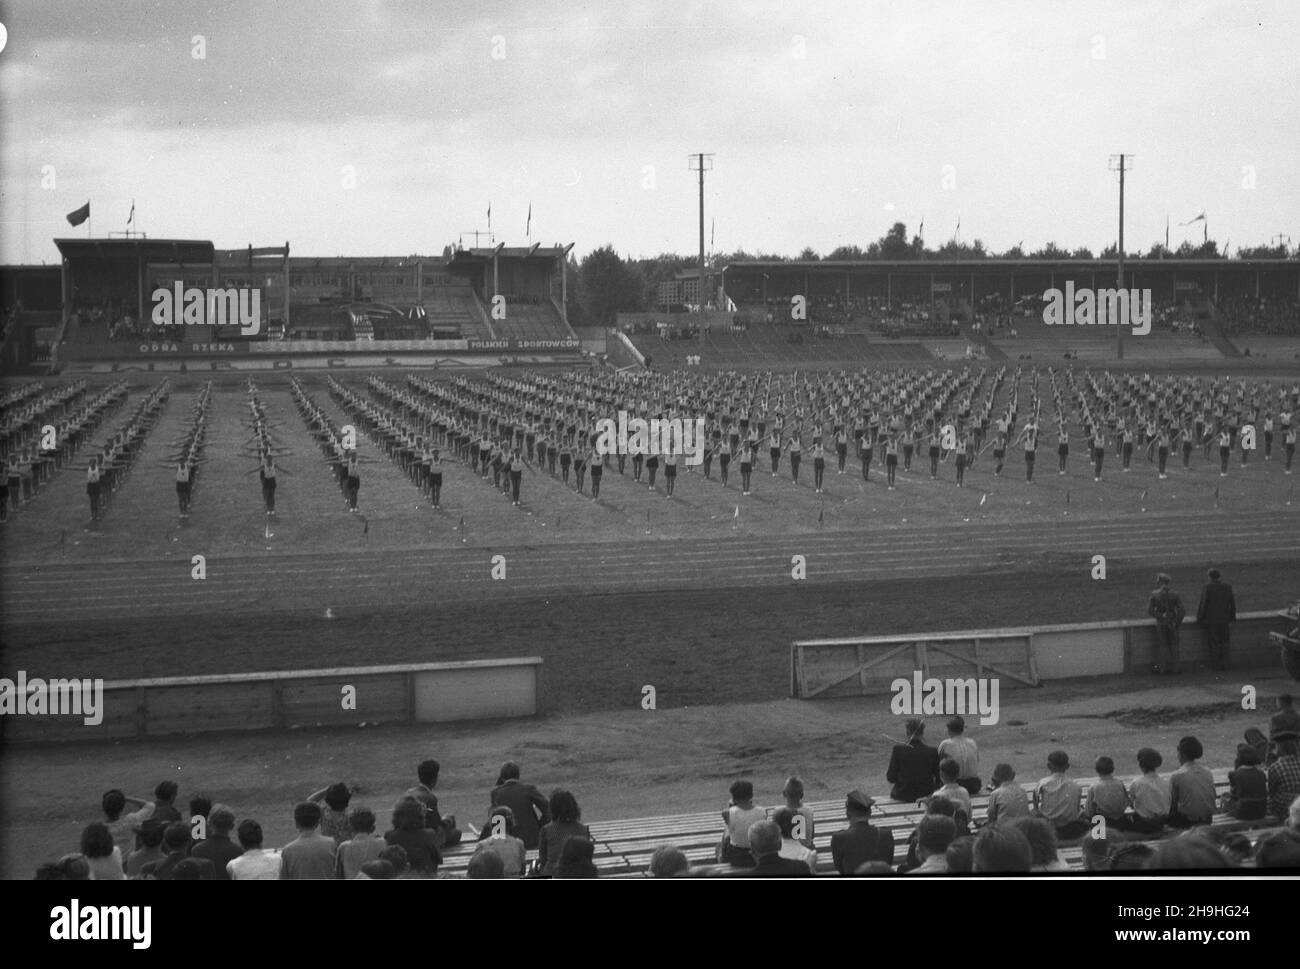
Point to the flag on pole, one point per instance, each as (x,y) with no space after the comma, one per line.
(528,227)
(1166,230)
(1198,218)
(78,216)
(713,232)
(130,219)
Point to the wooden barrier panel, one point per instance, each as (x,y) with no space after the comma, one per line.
(416,692)
(1022,656)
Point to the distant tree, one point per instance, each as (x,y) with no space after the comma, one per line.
(609,285)
(1110,252)
(447,252)
(962,250)
(1083,252)
(1051,251)
(1159,250)
(1205,250)
(1015,252)
(809,254)
(846,252)
(894,244)
(1263,252)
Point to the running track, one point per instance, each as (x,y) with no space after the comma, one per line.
(310,583)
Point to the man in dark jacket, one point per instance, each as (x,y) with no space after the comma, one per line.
(913,766)
(765,844)
(531,809)
(1217,609)
(1166,608)
(861,841)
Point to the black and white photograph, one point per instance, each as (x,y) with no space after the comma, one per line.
(694,440)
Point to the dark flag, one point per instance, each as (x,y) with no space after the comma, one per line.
(78,216)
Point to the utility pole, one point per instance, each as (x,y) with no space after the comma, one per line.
(701,162)
(1120,163)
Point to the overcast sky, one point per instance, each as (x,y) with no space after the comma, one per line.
(386,127)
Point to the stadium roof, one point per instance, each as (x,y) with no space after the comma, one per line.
(933,265)
(179,250)
(548,253)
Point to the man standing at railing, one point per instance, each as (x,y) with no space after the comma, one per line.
(1217,609)
(1166,608)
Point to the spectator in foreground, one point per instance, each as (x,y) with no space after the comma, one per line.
(499,838)
(1187,851)
(1057,798)
(311,854)
(913,766)
(565,823)
(960,855)
(793,794)
(1293,816)
(1000,849)
(1107,798)
(791,848)
(1096,853)
(1284,778)
(410,834)
(765,843)
(1192,791)
(576,860)
(1285,723)
(74,867)
(176,845)
(218,847)
(1129,856)
(739,817)
(200,808)
(933,836)
(530,808)
(964,751)
(120,828)
(334,816)
(485,864)
(667,861)
(1150,795)
(1008,800)
(428,772)
(104,857)
(948,770)
(377,870)
(1044,852)
(1279,850)
(256,863)
(861,842)
(150,851)
(395,857)
(362,847)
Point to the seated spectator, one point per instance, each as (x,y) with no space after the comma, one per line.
(160,809)
(1000,849)
(1043,850)
(1096,853)
(362,847)
(529,806)
(951,789)
(200,807)
(499,837)
(486,864)
(1008,800)
(122,829)
(575,859)
(935,805)
(176,845)
(395,857)
(1248,786)
(192,870)
(1279,850)
(667,861)
(74,867)
(409,832)
(933,836)
(791,848)
(565,823)
(104,857)
(1149,795)
(428,772)
(1285,723)
(914,766)
(334,816)
(1107,798)
(151,837)
(218,847)
(377,870)
(793,794)
(1192,791)
(1130,856)
(256,863)
(764,839)
(1293,816)
(1284,778)
(738,817)
(1190,850)
(861,842)
(964,751)
(311,854)
(1057,798)
(960,855)
(1237,847)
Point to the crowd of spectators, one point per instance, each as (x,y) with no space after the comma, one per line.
(1260,316)
(1154,821)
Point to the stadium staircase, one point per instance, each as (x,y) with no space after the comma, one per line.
(623,848)
(1210,326)
(532,321)
(458,307)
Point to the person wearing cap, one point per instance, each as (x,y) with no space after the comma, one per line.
(1056,798)
(861,842)
(1217,609)
(1166,608)
(913,766)
(964,751)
